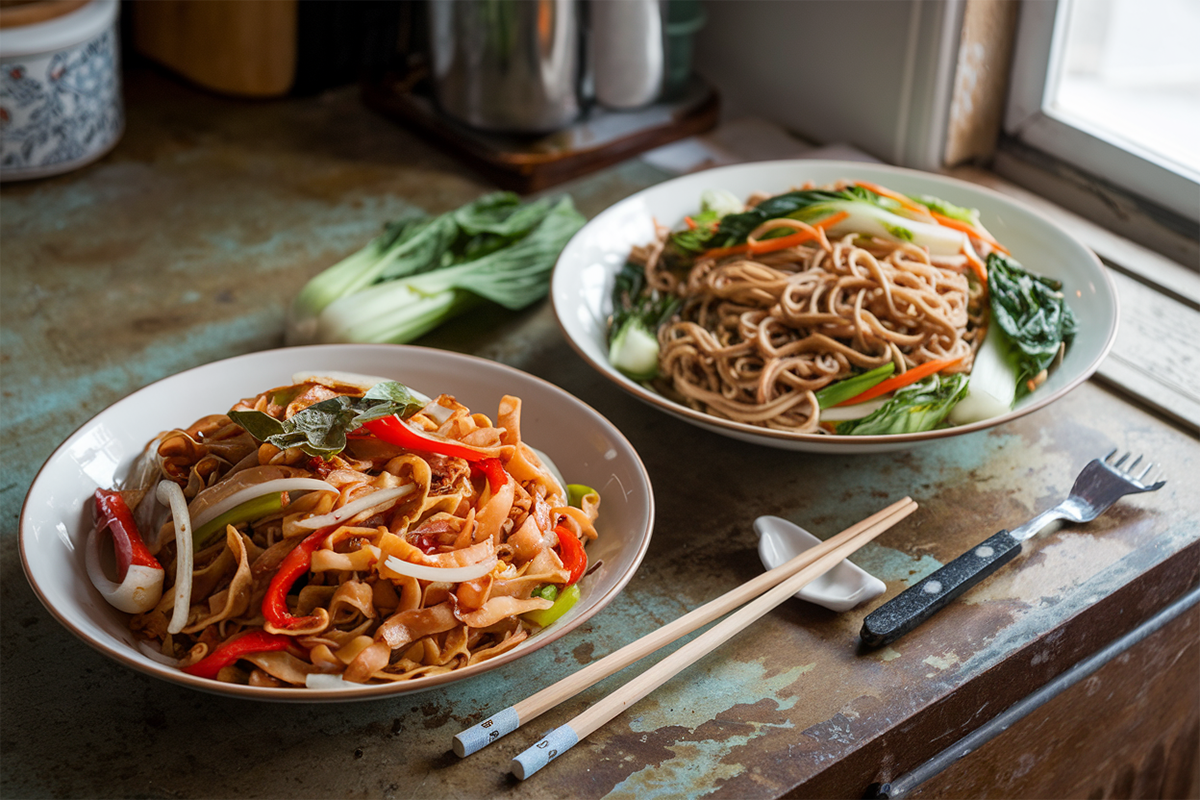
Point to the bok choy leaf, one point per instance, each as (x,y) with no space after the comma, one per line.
(920,406)
(636,318)
(715,204)
(422,271)
(1034,316)
(867,213)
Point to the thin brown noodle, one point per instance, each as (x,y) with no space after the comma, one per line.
(757,337)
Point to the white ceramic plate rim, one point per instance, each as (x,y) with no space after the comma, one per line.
(682,195)
(319,357)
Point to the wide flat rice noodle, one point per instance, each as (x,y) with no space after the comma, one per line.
(234,599)
(499,608)
(405,627)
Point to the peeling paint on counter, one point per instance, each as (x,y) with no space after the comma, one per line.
(186,243)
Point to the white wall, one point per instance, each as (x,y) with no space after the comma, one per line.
(876,74)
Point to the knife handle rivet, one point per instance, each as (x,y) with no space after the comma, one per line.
(933,587)
(985,551)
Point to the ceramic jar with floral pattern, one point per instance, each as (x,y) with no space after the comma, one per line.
(60,87)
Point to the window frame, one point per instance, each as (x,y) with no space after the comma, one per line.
(1032,122)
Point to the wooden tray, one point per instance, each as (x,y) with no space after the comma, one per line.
(527,164)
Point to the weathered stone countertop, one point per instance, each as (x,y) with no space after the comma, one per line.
(185,244)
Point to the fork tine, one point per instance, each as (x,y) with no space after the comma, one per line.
(1108,458)
(1146,471)
(1133,466)
(1117,464)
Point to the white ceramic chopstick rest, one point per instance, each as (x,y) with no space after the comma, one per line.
(840,589)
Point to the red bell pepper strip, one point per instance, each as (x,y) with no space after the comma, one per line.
(256,641)
(493,468)
(127,542)
(395,431)
(573,556)
(294,564)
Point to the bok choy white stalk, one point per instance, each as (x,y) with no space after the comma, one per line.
(992,388)
(867,214)
(920,406)
(422,271)
(1031,323)
(636,318)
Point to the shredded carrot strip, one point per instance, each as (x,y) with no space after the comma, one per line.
(977,265)
(883,191)
(780,243)
(899,381)
(691,223)
(799,237)
(721,252)
(969,229)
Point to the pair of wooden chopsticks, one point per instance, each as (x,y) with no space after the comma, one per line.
(759,596)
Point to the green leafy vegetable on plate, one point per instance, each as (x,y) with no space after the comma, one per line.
(320,430)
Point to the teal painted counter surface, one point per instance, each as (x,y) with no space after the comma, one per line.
(184,246)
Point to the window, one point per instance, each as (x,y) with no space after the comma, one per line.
(1112,88)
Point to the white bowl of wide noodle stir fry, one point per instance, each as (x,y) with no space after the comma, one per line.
(335,522)
(829,306)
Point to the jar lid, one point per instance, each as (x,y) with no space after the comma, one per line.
(28,12)
(47,27)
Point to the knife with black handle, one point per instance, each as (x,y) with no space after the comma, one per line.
(922,600)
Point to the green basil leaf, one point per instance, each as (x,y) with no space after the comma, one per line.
(320,429)
(385,399)
(259,425)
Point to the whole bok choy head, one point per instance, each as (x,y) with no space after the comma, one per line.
(423,270)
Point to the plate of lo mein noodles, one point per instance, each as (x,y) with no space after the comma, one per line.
(837,307)
(335,522)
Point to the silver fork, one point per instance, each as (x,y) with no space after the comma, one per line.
(1100,484)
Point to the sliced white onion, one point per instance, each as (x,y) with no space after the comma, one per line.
(463,556)
(380,500)
(446,574)
(258,490)
(169,494)
(438,412)
(138,593)
(155,654)
(358,381)
(321,680)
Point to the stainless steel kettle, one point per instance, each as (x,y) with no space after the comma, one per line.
(535,66)
(508,65)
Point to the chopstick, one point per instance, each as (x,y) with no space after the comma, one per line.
(561,739)
(508,720)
